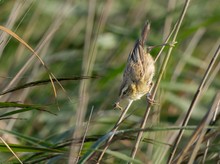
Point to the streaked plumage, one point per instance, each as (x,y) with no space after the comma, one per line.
(139,71)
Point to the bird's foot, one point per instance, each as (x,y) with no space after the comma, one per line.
(117,106)
(150,100)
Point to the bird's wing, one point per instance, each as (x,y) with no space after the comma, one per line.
(135,68)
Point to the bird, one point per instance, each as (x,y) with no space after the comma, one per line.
(139,71)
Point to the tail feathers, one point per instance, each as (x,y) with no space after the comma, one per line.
(144,33)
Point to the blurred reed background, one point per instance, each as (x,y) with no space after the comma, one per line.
(85,44)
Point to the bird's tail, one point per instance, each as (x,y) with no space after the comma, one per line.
(144,33)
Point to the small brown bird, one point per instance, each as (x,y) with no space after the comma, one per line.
(139,71)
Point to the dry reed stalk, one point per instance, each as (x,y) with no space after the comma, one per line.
(177,27)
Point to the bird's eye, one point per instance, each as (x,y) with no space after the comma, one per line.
(124,92)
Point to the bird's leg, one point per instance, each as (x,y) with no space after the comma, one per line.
(117,106)
(149,96)
(172,44)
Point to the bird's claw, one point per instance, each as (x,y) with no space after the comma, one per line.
(150,100)
(117,106)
